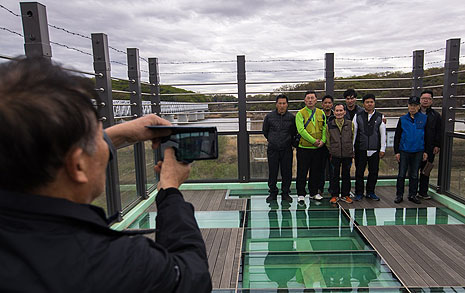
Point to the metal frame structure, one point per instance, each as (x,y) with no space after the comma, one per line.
(37,43)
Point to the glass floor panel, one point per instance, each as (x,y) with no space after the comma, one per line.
(302,239)
(296,218)
(259,203)
(205,219)
(316,270)
(406,216)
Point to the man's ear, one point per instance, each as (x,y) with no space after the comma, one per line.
(76,165)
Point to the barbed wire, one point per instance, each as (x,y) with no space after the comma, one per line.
(71,48)
(372,58)
(433,51)
(10,31)
(3,7)
(119,63)
(286,60)
(434,62)
(197,62)
(375,67)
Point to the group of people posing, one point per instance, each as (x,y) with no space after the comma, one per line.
(329,138)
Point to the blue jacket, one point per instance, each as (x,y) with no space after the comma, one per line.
(410,134)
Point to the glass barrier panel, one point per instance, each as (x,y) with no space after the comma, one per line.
(127,176)
(151,178)
(457,171)
(225,167)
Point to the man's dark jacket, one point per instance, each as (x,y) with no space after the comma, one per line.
(279,130)
(54,245)
(433,131)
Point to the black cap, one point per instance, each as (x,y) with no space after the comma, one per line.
(414,100)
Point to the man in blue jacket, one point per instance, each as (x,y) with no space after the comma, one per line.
(409,147)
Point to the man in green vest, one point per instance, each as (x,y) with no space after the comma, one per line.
(311,125)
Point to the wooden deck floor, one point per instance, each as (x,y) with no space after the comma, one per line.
(422,256)
(387,194)
(223,245)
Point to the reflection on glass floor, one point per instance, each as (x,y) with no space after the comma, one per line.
(205,219)
(406,216)
(321,270)
(303,240)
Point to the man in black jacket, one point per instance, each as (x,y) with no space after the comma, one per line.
(53,156)
(279,129)
(432,138)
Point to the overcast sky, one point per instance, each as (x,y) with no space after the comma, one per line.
(189,30)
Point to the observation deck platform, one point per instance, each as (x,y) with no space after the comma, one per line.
(377,246)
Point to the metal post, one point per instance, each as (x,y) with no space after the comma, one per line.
(35,29)
(451,67)
(243,136)
(418,72)
(329,73)
(136,111)
(154,79)
(103,86)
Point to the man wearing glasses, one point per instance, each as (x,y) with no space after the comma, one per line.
(432,138)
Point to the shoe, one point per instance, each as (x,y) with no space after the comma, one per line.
(333,199)
(346,199)
(423,196)
(301,200)
(351,194)
(398,199)
(372,196)
(317,196)
(270,198)
(358,197)
(286,197)
(414,199)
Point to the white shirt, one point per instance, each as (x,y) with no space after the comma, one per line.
(382,131)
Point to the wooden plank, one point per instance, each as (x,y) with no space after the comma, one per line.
(227,276)
(213,256)
(237,258)
(429,262)
(210,240)
(214,203)
(393,257)
(221,261)
(408,253)
(445,257)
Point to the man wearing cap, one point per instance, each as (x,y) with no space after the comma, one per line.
(409,149)
(369,145)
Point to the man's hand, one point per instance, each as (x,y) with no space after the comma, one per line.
(381,155)
(436,150)
(425,156)
(317,143)
(172,172)
(398,158)
(135,130)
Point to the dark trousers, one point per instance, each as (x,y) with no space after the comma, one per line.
(410,162)
(424,180)
(279,159)
(361,161)
(309,161)
(337,164)
(326,170)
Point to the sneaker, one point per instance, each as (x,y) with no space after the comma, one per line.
(301,199)
(286,197)
(358,197)
(346,199)
(351,194)
(317,196)
(398,199)
(372,196)
(414,199)
(423,196)
(270,198)
(333,199)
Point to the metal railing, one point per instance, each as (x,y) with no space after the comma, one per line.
(242,117)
